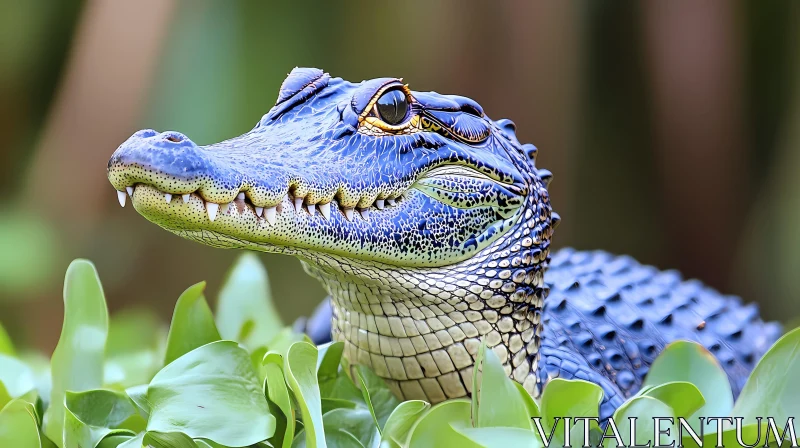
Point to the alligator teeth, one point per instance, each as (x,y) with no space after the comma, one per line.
(212,209)
(311,208)
(379,204)
(348,213)
(186,197)
(325,209)
(240,196)
(130,191)
(122,198)
(259,211)
(390,201)
(364,213)
(298,204)
(223,208)
(271,213)
(167,197)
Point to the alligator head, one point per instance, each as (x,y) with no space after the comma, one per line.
(376,188)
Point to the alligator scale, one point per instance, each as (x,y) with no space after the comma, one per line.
(430,227)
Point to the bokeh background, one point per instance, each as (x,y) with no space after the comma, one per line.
(673,128)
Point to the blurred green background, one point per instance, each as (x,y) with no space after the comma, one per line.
(673,128)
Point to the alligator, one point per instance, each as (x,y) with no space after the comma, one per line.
(430,226)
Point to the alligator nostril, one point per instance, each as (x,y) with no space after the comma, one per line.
(174,139)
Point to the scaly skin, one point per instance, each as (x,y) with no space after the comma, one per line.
(430,229)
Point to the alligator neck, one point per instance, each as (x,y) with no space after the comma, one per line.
(420,328)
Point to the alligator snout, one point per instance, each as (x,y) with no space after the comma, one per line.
(170,153)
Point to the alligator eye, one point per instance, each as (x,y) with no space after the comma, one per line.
(392,107)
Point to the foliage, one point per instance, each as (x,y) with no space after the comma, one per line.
(123,382)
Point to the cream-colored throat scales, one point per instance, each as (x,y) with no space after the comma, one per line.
(420,329)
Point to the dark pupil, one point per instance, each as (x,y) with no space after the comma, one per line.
(392,107)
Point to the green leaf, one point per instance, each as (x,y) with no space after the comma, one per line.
(568,398)
(499,437)
(328,360)
(379,398)
(138,394)
(245,311)
(398,425)
(16,376)
(135,442)
(691,362)
(530,404)
(284,339)
(329,404)
(18,425)
(275,388)
(5,397)
(134,348)
(77,362)
(435,428)
(114,441)
(499,402)
(300,369)
(6,346)
(213,393)
(684,398)
(157,439)
(192,324)
(93,414)
(357,422)
(772,388)
(644,409)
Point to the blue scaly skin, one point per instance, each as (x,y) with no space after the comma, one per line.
(430,226)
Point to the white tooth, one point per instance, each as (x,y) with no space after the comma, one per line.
(390,201)
(167,197)
(348,213)
(325,209)
(259,211)
(364,213)
(311,208)
(298,204)
(240,196)
(130,191)
(212,209)
(379,204)
(186,197)
(271,213)
(223,208)
(122,198)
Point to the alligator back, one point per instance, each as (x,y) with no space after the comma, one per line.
(607,318)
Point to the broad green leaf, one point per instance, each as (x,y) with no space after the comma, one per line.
(568,398)
(245,311)
(530,404)
(18,427)
(114,441)
(157,439)
(278,394)
(772,388)
(379,398)
(329,404)
(645,409)
(357,422)
(93,414)
(434,429)
(284,339)
(121,371)
(691,362)
(5,397)
(6,346)
(218,384)
(192,324)
(500,437)
(17,377)
(135,442)
(300,369)
(684,398)
(138,394)
(328,360)
(77,362)
(499,402)
(400,421)
(336,438)
(40,366)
